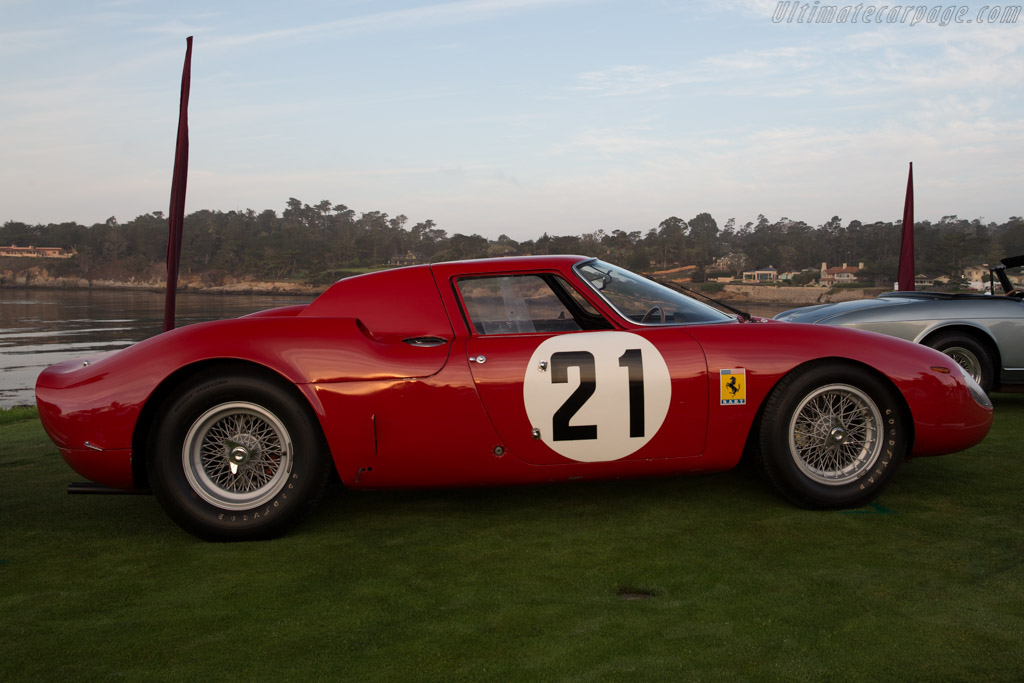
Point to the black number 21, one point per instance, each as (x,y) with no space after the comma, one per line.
(632,360)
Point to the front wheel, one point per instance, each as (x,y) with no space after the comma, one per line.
(969,354)
(236,458)
(832,436)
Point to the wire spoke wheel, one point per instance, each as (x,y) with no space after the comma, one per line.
(975,357)
(966,359)
(832,435)
(835,434)
(237,456)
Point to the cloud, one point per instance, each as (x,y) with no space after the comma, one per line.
(14,42)
(872,64)
(629,80)
(448,13)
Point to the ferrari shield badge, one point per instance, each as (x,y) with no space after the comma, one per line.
(734,386)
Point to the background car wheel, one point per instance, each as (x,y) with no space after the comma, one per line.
(969,353)
(831,436)
(237,458)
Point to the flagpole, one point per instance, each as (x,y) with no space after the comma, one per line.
(179,179)
(905,274)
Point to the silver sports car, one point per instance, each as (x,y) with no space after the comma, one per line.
(982,332)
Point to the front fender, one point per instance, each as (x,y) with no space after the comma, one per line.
(946,418)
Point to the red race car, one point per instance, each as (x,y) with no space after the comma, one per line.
(497,371)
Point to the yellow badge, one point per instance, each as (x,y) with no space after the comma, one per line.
(734,386)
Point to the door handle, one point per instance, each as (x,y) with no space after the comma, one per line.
(478,359)
(425,342)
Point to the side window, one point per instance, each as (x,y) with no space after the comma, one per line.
(588,310)
(515,304)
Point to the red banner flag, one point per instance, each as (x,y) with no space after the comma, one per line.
(905,275)
(178,182)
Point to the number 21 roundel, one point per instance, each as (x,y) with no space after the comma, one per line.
(596,396)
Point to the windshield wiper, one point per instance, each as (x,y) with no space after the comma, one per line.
(679,288)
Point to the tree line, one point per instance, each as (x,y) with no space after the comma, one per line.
(319,243)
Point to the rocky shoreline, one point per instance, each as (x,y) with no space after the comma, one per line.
(38,277)
(794,296)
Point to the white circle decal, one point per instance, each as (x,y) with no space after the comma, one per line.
(596,396)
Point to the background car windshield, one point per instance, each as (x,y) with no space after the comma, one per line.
(645,301)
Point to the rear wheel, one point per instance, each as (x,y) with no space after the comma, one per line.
(971,355)
(831,436)
(236,458)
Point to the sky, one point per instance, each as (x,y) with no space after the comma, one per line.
(515,117)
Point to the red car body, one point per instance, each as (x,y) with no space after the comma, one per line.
(408,392)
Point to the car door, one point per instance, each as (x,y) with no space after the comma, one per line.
(561,387)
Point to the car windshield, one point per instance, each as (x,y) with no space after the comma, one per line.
(645,301)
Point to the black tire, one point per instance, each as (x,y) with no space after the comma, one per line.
(970,354)
(832,436)
(237,458)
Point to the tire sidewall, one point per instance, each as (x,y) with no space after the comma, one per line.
(183,504)
(780,463)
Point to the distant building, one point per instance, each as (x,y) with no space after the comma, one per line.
(36,252)
(837,275)
(768,274)
(976,278)
(409,258)
(732,262)
(812,275)
(979,273)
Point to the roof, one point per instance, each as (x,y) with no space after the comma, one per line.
(517,262)
(835,270)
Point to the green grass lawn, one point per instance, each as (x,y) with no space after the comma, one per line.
(532,583)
